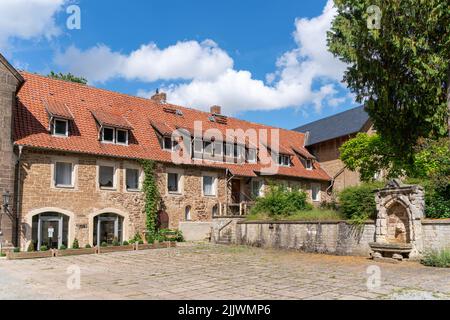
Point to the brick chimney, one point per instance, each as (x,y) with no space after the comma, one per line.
(216,110)
(159,97)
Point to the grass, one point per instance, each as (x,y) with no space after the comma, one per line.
(438,259)
(307,215)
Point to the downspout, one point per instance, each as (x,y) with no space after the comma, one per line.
(18,197)
(333,180)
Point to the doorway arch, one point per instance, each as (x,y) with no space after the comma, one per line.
(108,225)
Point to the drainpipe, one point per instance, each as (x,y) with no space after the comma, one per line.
(333,180)
(18,195)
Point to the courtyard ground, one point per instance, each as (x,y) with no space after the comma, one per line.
(206,271)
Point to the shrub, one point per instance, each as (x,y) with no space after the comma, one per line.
(76,244)
(170,235)
(104,244)
(125,243)
(358,203)
(31,247)
(437,197)
(62,247)
(279,201)
(17,250)
(88,246)
(439,259)
(43,248)
(141,242)
(116,243)
(2,255)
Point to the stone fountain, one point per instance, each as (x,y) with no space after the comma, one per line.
(398,227)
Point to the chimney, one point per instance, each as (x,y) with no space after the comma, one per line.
(159,97)
(216,110)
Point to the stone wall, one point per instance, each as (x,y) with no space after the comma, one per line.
(335,237)
(8,86)
(436,234)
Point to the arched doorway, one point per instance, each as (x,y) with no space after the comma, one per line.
(50,229)
(108,228)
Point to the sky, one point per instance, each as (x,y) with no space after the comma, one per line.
(262,61)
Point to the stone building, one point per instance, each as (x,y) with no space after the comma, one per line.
(10,82)
(79,151)
(326,136)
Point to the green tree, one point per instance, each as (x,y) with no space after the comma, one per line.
(400,69)
(67,77)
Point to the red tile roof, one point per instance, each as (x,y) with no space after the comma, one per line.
(111,120)
(143,115)
(57,109)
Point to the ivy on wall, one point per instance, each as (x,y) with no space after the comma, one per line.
(152,196)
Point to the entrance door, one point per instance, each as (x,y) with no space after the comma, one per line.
(107,229)
(50,234)
(236,191)
(51,230)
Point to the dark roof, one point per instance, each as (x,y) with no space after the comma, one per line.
(341,124)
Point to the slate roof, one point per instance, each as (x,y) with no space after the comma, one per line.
(144,116)
(339,125)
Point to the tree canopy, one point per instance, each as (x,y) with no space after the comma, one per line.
(398,65)
(67,77)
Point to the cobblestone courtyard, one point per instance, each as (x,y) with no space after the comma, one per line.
(204,271)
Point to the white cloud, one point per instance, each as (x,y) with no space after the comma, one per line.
(307,75)
(185,60)
(28,19)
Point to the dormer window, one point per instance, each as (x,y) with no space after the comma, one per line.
(169,144)
(284,160)
(251,155)
(60,127)
(113,135)
(309,164)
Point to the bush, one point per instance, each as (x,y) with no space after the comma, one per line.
(439,259)
(279,201)
(170,235)
(136,239)
(88,246)
(358,203)
(116,243)
(17,250)
(62,247)
(31,247)
(437,197)
(2,255)
(104,244)
(76,244)
(125,243)
(43,248)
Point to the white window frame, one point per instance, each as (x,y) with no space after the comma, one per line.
(54,128)
(231,146)
(310,166)
(214,186)
(140,177)
(107,164)
(114,135)
(198,142)
(126,137)
(319,191)
(180,174)
(256,156)
(211,146)
(218,143)
(281,163)
(74,163)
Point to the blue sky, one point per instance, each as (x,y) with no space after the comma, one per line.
(262,61)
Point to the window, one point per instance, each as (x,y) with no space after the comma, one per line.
(198,146)
(229,150)
(209,186)
(257,188)
(122,136)
(173,183)
(315,192)
(218,148)
(132,179)
(309,164)
(60,127)
(187,213)
(208,147)
(106,177)
(63,174)
(251,155)
(167,145)
(284,160)
(108,135)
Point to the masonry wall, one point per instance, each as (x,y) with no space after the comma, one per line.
(436,234)
(8,85)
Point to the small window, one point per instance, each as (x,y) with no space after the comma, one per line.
(209,186)
(132,178)
(229,150)
(173,183)
(60,127)
(208,147)
(198,146)
(106,177)
(218,149)
(315,192)
(122,136)
(167,145)
(63,174)
(187,213)
(309,164)
(284,160)
(251,155)
(108,135)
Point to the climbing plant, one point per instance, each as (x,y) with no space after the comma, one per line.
(152,196)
